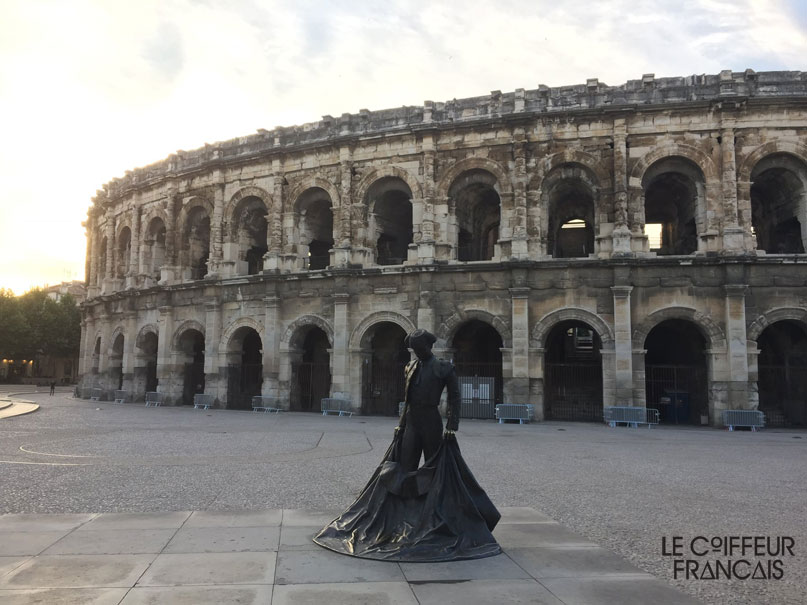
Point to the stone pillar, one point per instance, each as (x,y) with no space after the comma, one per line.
(737,347)
(216,237)
(519,247)
(215,367)
(134,253)
(274,232)
(733,235)
(340,382)
(165,367)
(128,361)
(109,270)
(519,387)
(271,349)
(169,271)
(94,285)
(621,236)
(536,377)
(502,250)
(639,373)
(623,347)
(82,348)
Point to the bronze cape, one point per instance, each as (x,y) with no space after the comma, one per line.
(436,513)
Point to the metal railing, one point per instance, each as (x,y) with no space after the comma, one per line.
(121,396)
(153,398)
(630,415)
(261,403)
(202,401)
(331,405)
(523,412)
(750,418)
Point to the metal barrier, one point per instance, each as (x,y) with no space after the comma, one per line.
(630,415)
(96,394)
(331,405)
(202,401)
(523,412)
(265,404)
(751,418)
(120,396)
(477,408)
(154,398)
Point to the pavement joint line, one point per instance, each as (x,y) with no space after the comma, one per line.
(94,516)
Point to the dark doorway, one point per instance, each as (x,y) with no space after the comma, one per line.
(478,360)
(573,373)
(783,374)
(116,360)
(777,200)
(383,370)
(311,376)
(675,372)
(192,344)
(245,378)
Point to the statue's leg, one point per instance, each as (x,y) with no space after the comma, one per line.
(411,447)
(432,432)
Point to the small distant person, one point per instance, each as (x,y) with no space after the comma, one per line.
(52,387)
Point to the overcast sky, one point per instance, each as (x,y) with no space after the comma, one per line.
(90,89)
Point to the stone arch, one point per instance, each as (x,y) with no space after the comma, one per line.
(141,335)
(191,204)
(384,172)
(544,326)
(118,331)
(769,318)
(715,338)
(449,327)
(503,184)
(241,322)
(309,182)
(243,193)
(189,324)
(303,321)
(120,225)
(150,215)
(794,148)
(571,156)
(693,154)
(359,333)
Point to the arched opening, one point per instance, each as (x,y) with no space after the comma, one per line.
(311,371)
(478,361)
(146,371)
(315,223)
(569,194)
(249,234)
(573,373)
(384,360)
(116,363)
(123,253)
(783,374)
(779,204)
(674,189)
(675,372)
(192,356)
(478,209)
(154,253)
(389,201)
(196,242)
(244,368)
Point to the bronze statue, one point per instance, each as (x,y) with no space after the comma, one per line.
(437,512)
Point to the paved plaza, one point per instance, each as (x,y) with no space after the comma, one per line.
(114,503)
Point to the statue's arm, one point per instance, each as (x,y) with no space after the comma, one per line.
(453,412)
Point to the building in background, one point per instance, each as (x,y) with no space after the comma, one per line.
(571,247)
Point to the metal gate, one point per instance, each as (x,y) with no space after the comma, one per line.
(480,388)
(382,387)
(193,381)
(243,382)
(310,383)
(678,392)
(783,394)
(573,391)
(151,376)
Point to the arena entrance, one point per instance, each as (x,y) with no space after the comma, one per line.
(478,361)
(573,373)
(675,372)
(245,369)
(783,374)
(192,349)
(146,373)
(311,375)
(116,363)
(383,370)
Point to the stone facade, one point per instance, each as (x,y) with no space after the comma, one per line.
(641,240)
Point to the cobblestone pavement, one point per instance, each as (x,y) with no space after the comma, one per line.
(624,489)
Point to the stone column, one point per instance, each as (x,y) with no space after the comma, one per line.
(109,270)
(519,247)
(623,347)
(621,237)
(95,254)
(215,368)
(169,272)
(733,235)
(274,231)
(639,374)
(165,366)
(340,382)
(519,387)
(134,252)
(737,347)
(216,234)
(271,349)
(128,361)
(536,376)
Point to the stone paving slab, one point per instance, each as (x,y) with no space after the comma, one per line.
(268,557)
